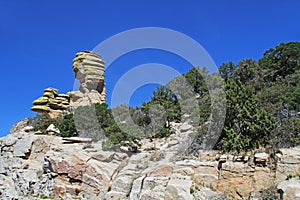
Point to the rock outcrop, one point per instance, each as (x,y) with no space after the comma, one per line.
(34,166)
(290,189)
(89,70)
(52,103)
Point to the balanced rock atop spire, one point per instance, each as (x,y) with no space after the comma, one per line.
(89,70)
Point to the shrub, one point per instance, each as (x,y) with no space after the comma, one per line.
(42,121)
(67,126)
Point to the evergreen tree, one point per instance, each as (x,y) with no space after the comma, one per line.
(247,126)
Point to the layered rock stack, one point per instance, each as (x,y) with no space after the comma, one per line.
(51,102)
(89,70)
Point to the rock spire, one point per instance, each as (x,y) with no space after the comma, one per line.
(89,71)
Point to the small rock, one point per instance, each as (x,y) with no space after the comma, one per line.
(223,158)
(51,90)
(39,108)
(238,159)
(78,140)
(28,128)
(185,127)
(23,147)
(52,130)
(246,158)
(41,101)
(261,158)
(230,157)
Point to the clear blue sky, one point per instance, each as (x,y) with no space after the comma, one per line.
(40,38)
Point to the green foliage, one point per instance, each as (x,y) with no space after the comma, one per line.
(281,61)
(192,190)
(164,132)
(262,106)
(227,70)
(275,99)
(246,125)
(87,123)
(280,95)
(197,78)
(116,138)
(287,134)
(67,126)
(104,115)
(42,121)
(168,100)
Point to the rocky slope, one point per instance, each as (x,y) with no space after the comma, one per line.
(36,166)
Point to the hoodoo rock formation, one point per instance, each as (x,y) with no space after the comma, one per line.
(89,70)
(51,102)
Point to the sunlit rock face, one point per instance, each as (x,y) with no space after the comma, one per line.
(89,70)
(52,103)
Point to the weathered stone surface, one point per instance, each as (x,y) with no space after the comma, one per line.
(115,195)
(27,128)
(78,140)
(161,170)
(179,188)
(263,178)
(22,147)
(58,104)
(55,113)
(223,158)
(51,90)
(63,96)
(41,109)
(41,101)
(89,69)
(288,163)
(2,165)
(261,158)
(290,189)
(185,127)
(52,103)
(19,126)
(75,95)
(47,165)
(52,130)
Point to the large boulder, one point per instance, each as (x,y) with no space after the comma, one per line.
(288,163)
(52,103)
(290,189)
(179,188)
(52,130)
(89,70)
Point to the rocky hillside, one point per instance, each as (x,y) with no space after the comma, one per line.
(34,166)
(36,163)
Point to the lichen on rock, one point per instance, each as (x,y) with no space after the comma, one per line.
(89,70)
(51,102)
